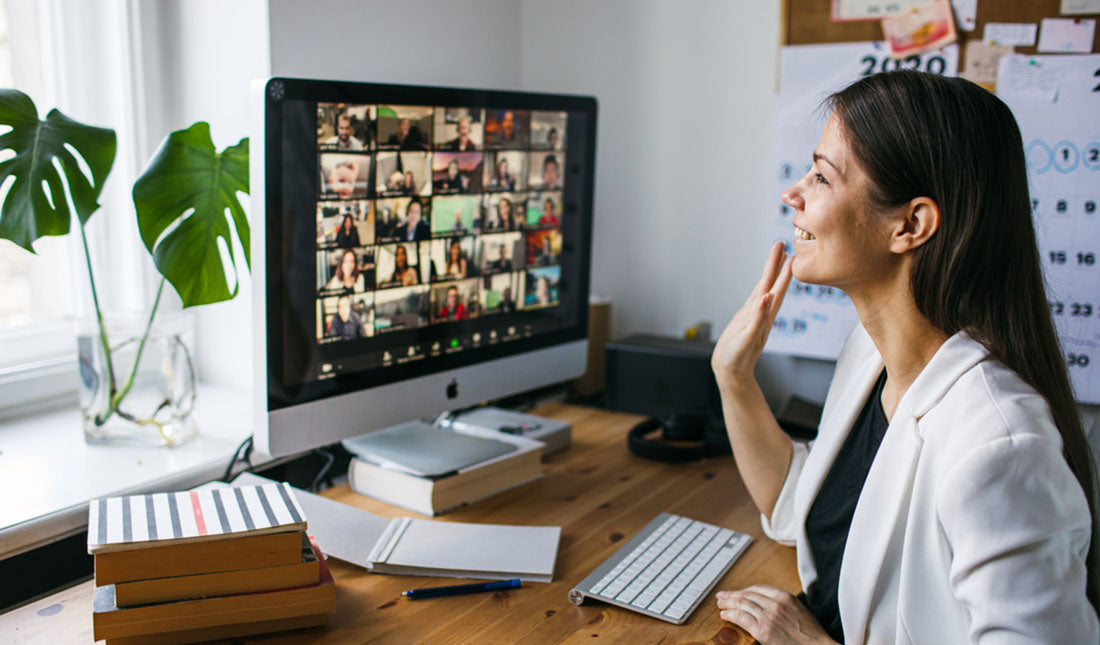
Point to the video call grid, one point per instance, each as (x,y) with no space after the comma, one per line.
(428,215)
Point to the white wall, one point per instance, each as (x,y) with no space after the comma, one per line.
(454,42)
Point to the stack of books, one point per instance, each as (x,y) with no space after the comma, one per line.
(205,564)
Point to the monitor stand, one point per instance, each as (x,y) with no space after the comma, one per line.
(424,449)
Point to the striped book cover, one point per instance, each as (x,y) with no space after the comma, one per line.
(138,521)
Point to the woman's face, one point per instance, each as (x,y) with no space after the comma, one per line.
(347,266)
(503,166)
(839,240)
(456,251)
(347,223)
(409,182)
(505,210)
(401,257)
(452,169)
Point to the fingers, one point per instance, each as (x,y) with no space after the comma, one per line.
(771,268)
(779,289)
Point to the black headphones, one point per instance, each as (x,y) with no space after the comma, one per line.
(708,433)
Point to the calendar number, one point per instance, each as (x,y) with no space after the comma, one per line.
(1086,259)
(1057,257)
(1057,308)
(1080,309)
(933,65)
(1077,360)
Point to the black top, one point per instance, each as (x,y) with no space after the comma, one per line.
(831,514)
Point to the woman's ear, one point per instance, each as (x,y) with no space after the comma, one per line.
(919,221)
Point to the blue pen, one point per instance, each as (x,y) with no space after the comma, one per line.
(432,592)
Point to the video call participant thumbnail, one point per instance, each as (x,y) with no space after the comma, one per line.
(404,308)
(458,129)
(506,170)
(454,301)
(547,130)
(541,287)
(499,252)
(345,176)
(403,173)
(455,215)
(398,265)
(389,213)
(498,293)
(543,210)
(507,128)
(543,247)
(403,127)
(345,224)
(453,258)
(502,212)
(454,172)
(545,173)
(415,227)
(346,317)
(349,270)
(344,127)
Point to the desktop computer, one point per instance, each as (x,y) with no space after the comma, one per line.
(414,250)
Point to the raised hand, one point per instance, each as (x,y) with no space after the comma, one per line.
(742,341)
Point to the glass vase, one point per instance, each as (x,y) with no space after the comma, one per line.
(153,404)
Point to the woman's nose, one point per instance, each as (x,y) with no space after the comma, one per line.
(793,197)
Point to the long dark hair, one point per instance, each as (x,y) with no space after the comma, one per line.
(921,135)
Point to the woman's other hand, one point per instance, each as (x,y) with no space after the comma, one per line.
(771,616)
(743,339)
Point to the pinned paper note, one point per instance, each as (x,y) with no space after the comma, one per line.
(1080,6)
(1028,78)
(966,14)
(966,11)
(981,61)
(918,30)
(1017,34)
(1067,35)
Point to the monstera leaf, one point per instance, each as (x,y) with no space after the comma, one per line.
(36,203)
(186,201)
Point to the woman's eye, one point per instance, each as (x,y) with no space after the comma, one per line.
(820,178)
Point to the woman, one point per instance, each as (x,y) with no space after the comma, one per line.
(454,182)
(403,274)
(948,494)
(505,220)
(503,179)
(456,263)
(347,277)
(347,236)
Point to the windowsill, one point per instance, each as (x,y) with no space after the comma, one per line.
(48,474)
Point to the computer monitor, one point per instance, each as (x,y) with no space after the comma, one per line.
(414,250)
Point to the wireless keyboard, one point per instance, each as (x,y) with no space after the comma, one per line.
(666,569)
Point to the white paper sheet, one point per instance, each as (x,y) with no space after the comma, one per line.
(1067,35)
(1080,6)
(1017,34)
(1062,139)
(815,320)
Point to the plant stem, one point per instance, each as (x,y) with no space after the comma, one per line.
(116,397)
(102,417)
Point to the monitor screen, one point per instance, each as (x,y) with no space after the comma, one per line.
(415,230)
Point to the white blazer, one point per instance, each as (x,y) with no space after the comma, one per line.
(970,527)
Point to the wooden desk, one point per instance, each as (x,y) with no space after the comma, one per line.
(599,494)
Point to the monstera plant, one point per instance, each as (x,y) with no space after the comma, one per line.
(185,202)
